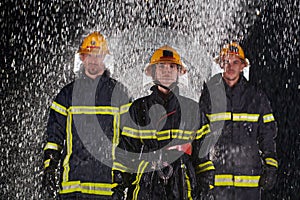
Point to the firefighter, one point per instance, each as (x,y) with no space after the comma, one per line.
(158,155)
(243,127)
(83,128)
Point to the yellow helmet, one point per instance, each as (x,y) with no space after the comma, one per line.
(232,48)
(165,54)
(94,43)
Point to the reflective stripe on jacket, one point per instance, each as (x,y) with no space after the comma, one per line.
(84,122)
(243,131)
(152,132)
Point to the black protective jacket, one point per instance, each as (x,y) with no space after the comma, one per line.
(243,132)
(160,146)
(84,126)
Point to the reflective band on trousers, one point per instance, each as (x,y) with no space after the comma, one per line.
(236,181)
(87,188)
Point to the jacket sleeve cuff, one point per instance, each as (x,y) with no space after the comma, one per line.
(206,166)
(51,158)
(53,146)
(271,161)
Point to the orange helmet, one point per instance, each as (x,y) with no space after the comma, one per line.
(94,43)
(165,54)
(232,48)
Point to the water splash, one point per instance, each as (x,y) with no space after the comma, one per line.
(41,38)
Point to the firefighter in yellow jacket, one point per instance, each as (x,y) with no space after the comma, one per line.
(243,127)
(83,126)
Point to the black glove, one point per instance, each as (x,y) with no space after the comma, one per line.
(49,180)
(123,180)
(268,177)
(205,181)
(118,192)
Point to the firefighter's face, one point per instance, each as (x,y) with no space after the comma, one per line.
(93,64)
(166,73)
(232,66)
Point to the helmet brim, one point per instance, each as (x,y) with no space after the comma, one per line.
(217,60)
(148,68)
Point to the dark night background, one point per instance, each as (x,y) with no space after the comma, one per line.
(273,47)
(37,36)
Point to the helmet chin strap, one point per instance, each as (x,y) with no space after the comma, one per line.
(171,87)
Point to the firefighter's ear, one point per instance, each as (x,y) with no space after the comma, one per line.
(221,65)
(82,57)
(242,67)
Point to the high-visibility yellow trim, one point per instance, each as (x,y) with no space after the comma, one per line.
(46,163)
(188,184)
(205,129)
(139,134)
(165,135)
(120,167)
(175,133)
(227,116)
(53,146)
(59,108)
(207,166)
(223,180)
(219,116)
(271,161)
(116,137)
(103,110)
(246,181)
(90,110)
(124,108)
(117,120)
(158,135)
(87,188)
(268,118)
(245,117)
(141,169)
(69,149)
(236,181)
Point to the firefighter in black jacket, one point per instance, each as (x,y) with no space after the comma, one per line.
(83,128)
(158,155)
(243,129)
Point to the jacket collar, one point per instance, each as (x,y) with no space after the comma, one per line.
(104,77)
(162,98)
(239,86)
(218,80)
